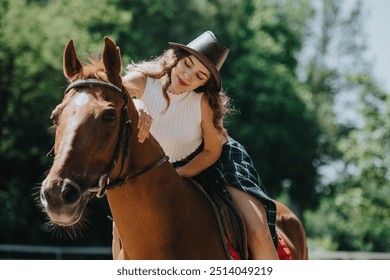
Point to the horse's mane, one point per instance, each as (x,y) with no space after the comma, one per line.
(94,68)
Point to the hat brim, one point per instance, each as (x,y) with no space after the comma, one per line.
(204,60)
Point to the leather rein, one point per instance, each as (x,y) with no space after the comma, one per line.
(125,132)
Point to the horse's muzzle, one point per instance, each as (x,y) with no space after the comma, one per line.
(62,200)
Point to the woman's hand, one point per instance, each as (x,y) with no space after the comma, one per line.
(144,120)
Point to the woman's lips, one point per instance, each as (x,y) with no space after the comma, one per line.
(181,82)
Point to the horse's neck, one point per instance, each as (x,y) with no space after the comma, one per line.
(143,154)
(159,216)
(147,189)
(146,205)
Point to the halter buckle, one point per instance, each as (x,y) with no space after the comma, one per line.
(104,181)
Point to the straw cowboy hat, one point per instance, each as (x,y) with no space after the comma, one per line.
(209,51)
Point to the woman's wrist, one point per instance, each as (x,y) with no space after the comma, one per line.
(183,172)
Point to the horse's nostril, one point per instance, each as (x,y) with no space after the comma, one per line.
(70,193)
(45,195)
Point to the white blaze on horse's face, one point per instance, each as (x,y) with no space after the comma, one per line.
(62,190)
(66,146)
(81,99)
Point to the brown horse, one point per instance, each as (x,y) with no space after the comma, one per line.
(158,214)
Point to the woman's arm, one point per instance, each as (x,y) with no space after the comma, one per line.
(213,142)
(138,82)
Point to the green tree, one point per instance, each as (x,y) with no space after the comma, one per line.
(354,208)
(154,23)
(273,122)
(334,42)
(358,217)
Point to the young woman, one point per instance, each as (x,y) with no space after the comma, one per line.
(185,106)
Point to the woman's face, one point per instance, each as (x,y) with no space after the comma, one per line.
(188,74)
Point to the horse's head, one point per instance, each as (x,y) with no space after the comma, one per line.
(91,134)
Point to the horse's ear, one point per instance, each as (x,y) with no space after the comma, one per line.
(112,60)
(72,64)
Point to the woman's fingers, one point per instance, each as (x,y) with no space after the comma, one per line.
(143,125)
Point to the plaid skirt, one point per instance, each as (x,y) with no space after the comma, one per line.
(235,168)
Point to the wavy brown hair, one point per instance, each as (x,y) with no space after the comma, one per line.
(161,68)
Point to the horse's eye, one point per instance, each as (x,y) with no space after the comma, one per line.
(54,118)
(109,115)
(55,114)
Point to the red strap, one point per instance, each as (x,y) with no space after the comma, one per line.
(283,251)
(233,253)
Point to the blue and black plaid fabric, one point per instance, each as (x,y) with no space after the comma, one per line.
(235,168)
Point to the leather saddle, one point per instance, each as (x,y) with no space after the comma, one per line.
(231,224)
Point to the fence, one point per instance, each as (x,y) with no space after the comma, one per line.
(11,251)
(348,255)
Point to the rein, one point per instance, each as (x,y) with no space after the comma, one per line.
(125,131)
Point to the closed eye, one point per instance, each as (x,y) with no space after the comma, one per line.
(200,75)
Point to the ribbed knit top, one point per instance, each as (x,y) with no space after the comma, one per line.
(178,130)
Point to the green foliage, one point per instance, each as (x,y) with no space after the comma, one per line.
(354,209)
(357,216)
(273,122)
(155,23)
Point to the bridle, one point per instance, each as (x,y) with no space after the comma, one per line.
(125,132)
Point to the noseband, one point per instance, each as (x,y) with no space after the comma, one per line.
(125,131)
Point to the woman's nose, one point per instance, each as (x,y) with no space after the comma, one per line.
(187,73)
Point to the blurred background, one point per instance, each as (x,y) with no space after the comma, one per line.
(308,81)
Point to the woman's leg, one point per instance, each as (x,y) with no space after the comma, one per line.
(252,211)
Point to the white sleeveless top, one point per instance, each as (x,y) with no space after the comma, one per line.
(178,130)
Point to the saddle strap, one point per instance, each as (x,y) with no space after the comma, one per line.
(217,215)
(232,222)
